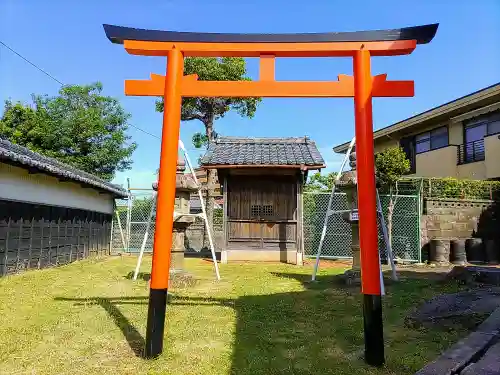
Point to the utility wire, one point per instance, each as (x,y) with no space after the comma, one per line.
(62,84)
(31,63)
(144,131)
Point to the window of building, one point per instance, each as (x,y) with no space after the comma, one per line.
(422,143)
(494,126)
(408,146)
(255,210)
(482,126)
(431,140)
(474,132)
(267,210)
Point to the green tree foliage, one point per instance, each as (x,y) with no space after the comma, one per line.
(320,183)
(449,187)
(80,127)
(201,140)
(391,165)
(459,188)
(141,208)
(209,110)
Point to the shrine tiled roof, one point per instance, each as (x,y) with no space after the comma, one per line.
(25,158)
(265,152)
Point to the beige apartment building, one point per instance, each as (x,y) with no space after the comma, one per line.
(458,139)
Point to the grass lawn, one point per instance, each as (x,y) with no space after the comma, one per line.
(88,318)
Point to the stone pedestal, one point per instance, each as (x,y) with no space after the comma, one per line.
(348,184)
(353,275)
(223,257)
(184,185)
(300,259)
(178,275)
(178,238)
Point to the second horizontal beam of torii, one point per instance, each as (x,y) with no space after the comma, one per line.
(343,88)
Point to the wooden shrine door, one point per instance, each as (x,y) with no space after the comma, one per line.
(262,212)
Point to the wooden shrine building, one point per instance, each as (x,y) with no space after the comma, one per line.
(262,181)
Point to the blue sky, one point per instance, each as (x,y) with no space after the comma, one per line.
(66,39)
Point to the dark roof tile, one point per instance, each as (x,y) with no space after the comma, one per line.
(263,151)
(25,157)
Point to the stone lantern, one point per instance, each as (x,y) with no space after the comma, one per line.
(184,186)
(348,184)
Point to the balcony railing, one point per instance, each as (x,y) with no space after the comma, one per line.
(470,152)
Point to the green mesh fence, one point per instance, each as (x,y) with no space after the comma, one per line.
(130,222)
(449,188)
(337,244)
(119,226)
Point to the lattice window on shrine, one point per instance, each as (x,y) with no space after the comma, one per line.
(267,210)
(255,210)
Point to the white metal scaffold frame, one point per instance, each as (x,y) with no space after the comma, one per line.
(330,212)
(203,215)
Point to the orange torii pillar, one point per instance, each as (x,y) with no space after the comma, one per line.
(360,46)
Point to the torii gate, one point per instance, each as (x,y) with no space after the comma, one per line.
(360,45)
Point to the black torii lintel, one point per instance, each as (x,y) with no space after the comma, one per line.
(422,34)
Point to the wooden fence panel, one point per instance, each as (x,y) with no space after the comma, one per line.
(39,236)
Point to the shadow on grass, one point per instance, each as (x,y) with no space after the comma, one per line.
(315,331)
(110,305)
(439,276)
(320,330)
(146,276)
(203,254)
(306,332)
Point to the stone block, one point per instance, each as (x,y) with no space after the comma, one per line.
(433,233)
(446,225)
(434,217)
(431,224)
(491,324)
(441,211)
(461,215)
(461,226)
(489,364)
(464,234)
(440,233)
(459,355)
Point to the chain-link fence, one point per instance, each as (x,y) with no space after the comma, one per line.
(449,188)
(337,243)
(119,228)
(130,223)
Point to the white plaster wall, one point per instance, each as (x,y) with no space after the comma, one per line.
(18,185)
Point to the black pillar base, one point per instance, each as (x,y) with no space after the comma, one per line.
(374,330)
(156,322)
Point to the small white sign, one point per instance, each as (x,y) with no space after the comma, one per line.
(353,216)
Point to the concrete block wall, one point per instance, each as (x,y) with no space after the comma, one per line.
(451,218)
